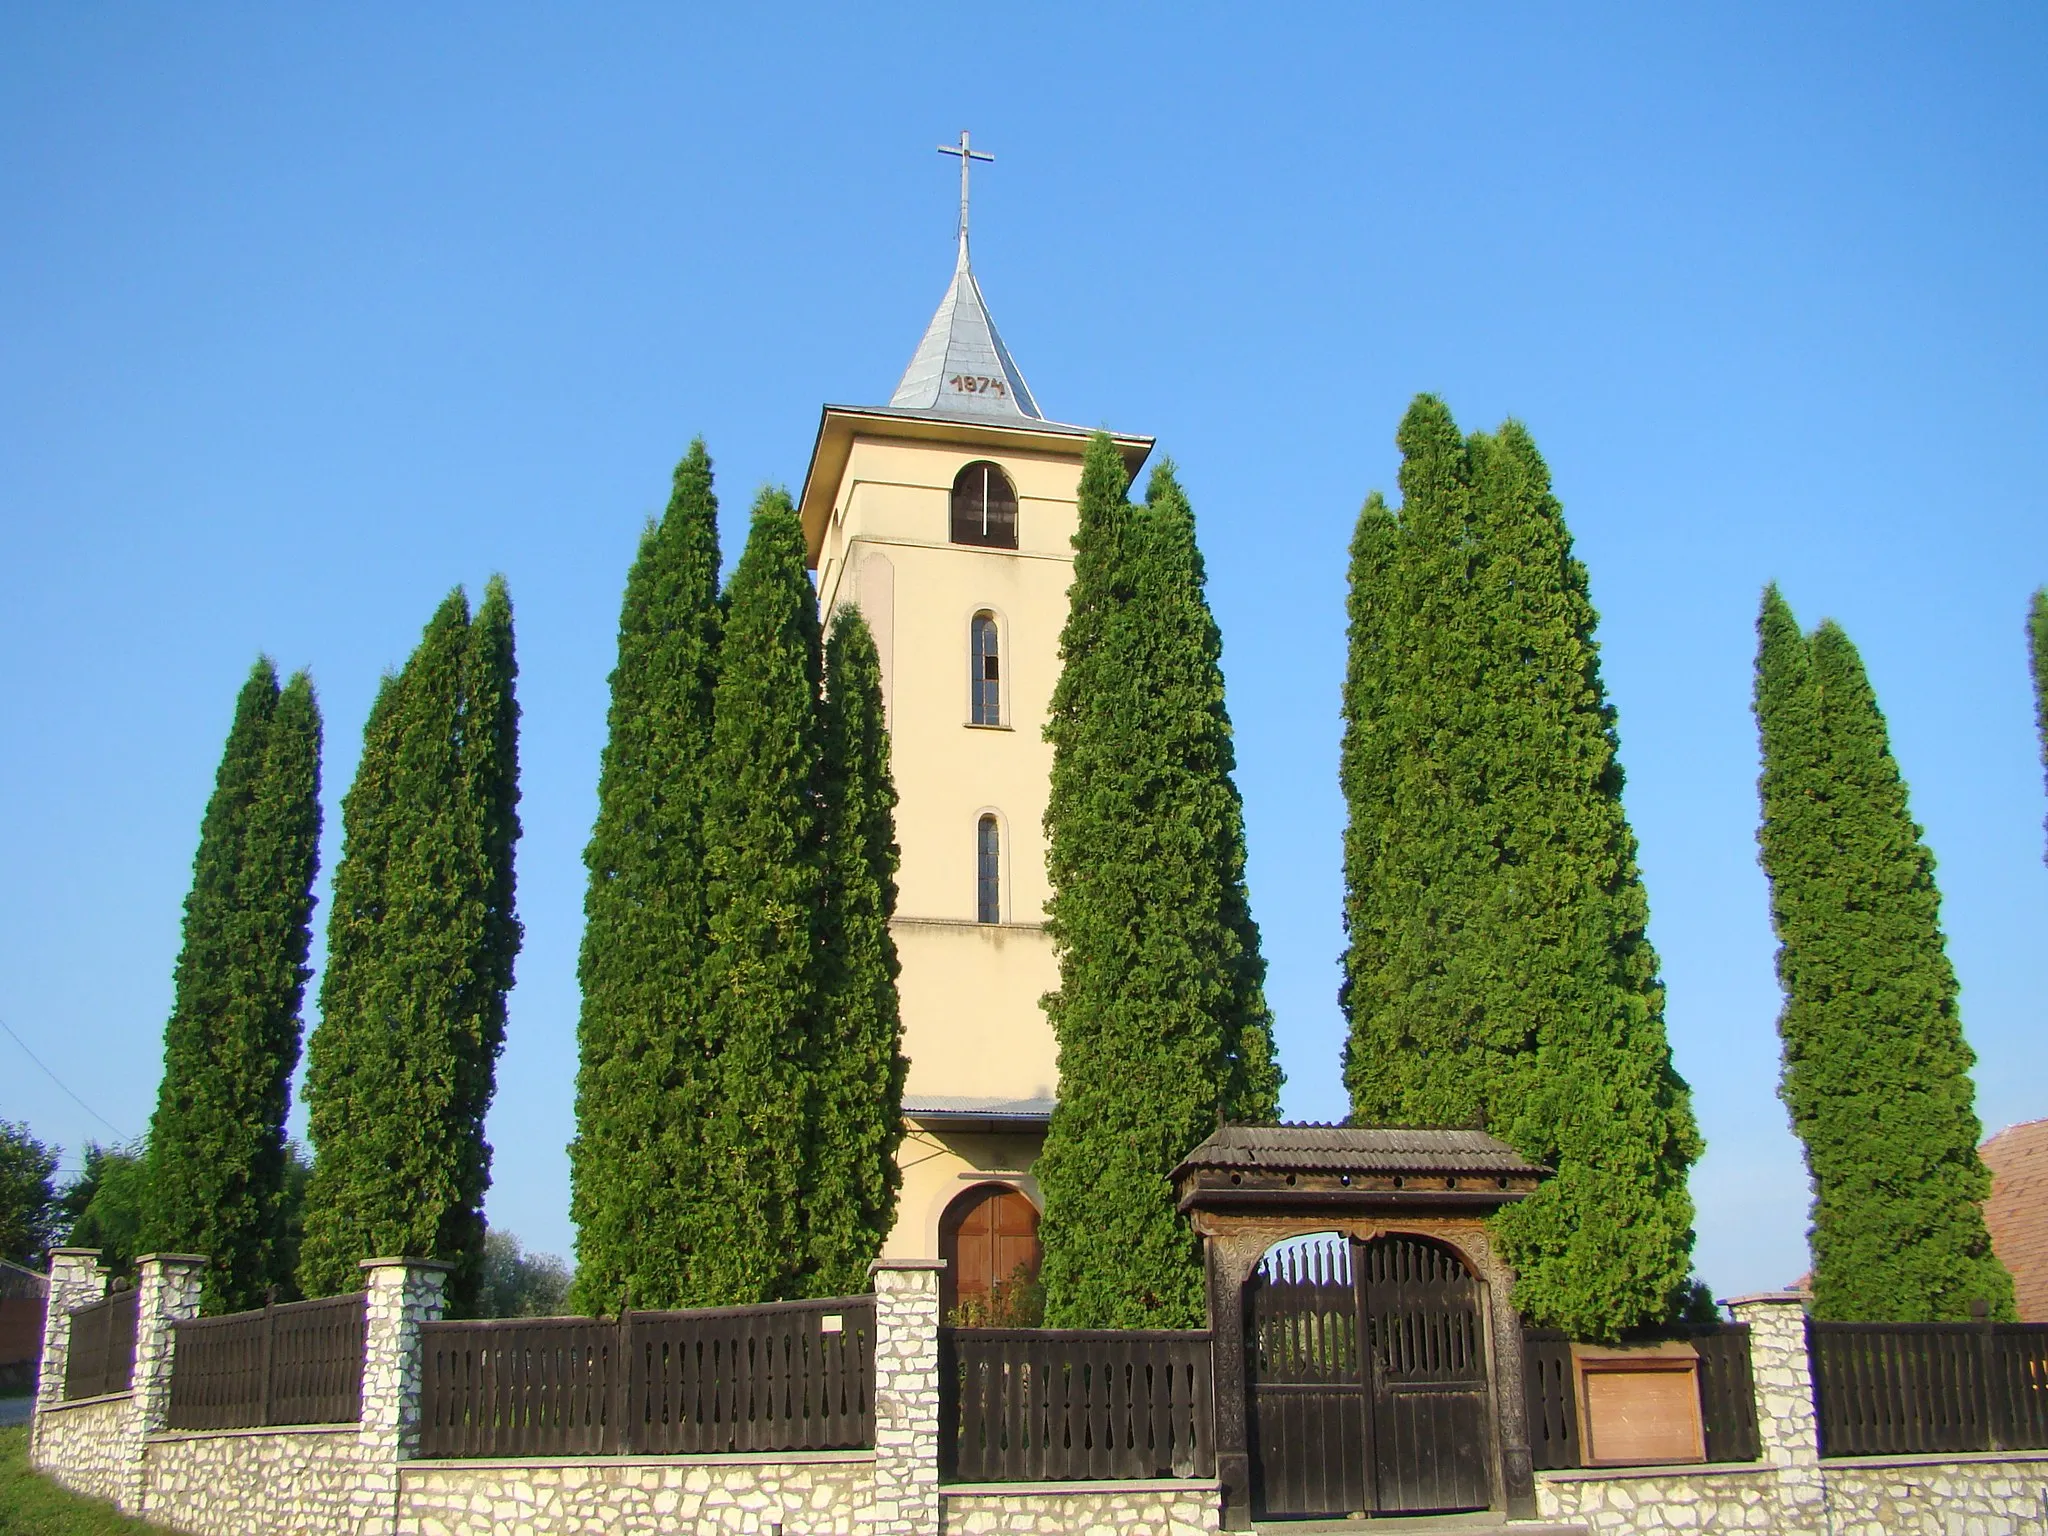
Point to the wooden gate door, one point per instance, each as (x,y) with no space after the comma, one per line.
(1396,1427)
(1430,1395)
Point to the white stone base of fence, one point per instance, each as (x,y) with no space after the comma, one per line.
(89,1446)
(2000,1493)
(818,1493)
(1141,1507)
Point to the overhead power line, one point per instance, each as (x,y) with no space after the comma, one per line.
(53,1077)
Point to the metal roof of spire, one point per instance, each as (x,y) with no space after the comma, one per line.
(962,367)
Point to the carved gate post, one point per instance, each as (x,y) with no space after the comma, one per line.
(1226,1266)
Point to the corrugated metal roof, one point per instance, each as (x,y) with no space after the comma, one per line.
(979,1108)
(1356,1149)
(962,344)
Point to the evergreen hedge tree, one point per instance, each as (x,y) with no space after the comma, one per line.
(216,1175)
(1160,1016)
(1876,1071)
(640,1088)
(2037,653)
(856,1119)
(30,1211)
(421,943)
(1498,968)
(743,1222)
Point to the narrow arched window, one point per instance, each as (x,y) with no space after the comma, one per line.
(988,872)
(984,506)
(985,679)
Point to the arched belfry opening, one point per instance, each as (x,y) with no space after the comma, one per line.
(984,506)
(1367,1358)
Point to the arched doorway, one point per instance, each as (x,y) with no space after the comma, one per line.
(988,1237)
(1366,1363)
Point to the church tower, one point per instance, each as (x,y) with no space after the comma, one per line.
(948,516)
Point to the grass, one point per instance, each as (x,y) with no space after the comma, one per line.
(35,1506)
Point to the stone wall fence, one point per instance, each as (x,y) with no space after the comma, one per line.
(1791,1489)
(368,1478)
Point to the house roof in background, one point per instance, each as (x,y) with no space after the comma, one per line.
(18,1280)
(2017,1212)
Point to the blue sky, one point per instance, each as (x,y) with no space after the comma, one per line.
(308,314)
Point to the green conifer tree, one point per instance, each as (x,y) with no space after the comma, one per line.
(745,1238)
(1160,1015)
(216,1176)
(2037,653)
(30,1208)
(856,1115)
(640,1086)
(421,942)
(1499,968)
(1876,1073)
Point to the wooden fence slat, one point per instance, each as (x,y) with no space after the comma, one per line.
(296,1363)
(1930,1388)
(102,1355)
(1053,1405)
(709,1380)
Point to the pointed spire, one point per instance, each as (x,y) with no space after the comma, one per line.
(962,367)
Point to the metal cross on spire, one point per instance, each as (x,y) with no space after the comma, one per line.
(968,154)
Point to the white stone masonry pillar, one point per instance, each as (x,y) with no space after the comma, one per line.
(906,1396)
(167,1292)
(403,1294)
(1788,1428)
(168,1285)
(75,1280)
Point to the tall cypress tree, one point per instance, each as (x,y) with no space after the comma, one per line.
(421,943)
(1160,1017)
(217,1161)
(641,1041)
(1223,942)
(743,1222)
(856,1114)
(1499,967)
(490,771)
(1876,1072)
(2037,653)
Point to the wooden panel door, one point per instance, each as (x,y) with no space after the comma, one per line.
(986,1236)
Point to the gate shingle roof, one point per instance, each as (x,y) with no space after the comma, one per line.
(1356,1149)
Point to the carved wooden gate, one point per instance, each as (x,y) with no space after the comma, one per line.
(1366,1364)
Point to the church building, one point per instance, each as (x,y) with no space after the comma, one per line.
(948,516)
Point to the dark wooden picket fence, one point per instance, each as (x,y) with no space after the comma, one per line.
(1550,1401)
(1727,1395)
(300,1363)
(1903,1388)
(102,1353)
(786,1376)
(1031,1404)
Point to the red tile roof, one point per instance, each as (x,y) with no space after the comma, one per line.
(2017,1211)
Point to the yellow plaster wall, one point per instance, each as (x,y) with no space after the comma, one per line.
(939,1165)
(971,1016)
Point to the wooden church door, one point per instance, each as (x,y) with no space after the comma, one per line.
(986,1236)
(1366,1373)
